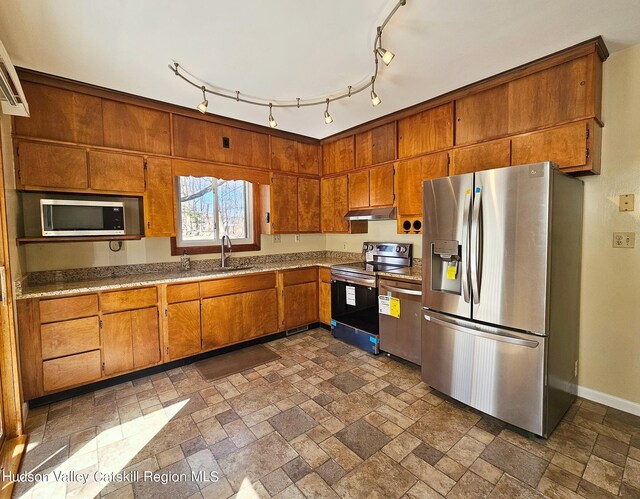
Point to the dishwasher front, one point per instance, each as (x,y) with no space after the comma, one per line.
(400,335)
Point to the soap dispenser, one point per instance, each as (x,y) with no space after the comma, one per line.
(185,261)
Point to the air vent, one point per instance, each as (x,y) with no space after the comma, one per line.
(11,95)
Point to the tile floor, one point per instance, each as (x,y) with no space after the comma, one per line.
(326,420)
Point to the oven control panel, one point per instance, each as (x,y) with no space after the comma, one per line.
(389,250)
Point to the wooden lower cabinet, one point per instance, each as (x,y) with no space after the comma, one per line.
(299,292)
(221,319)
(324,295)
(146,338)
(260,314)
(183,331)
(73,370)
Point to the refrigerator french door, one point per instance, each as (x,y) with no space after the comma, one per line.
(501,267)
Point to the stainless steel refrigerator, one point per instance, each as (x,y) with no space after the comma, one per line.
(501,291)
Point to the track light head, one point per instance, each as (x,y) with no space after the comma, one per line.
(202,107)
(272,121)
(386,55)
(327,117)
(375,99)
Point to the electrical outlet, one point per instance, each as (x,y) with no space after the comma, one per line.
(626,202)
(344,246)
(624,239)
(297,238)
(276,238)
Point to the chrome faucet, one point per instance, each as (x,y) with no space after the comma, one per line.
(224,257)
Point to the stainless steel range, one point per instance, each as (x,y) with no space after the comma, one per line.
(354,292)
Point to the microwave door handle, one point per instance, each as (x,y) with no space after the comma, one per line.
(465,247)
(476,242)
(401,290)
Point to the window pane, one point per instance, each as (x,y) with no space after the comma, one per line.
(232,208)
(197,208)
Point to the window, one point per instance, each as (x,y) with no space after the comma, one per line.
(210,208)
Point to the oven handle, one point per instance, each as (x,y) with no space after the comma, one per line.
(354,280)
(403,291)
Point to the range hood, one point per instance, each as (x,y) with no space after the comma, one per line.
(372,214)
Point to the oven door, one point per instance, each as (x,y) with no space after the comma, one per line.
(354,301)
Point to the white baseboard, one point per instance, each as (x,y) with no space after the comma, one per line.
(610,400)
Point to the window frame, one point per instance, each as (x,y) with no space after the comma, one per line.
(177,248)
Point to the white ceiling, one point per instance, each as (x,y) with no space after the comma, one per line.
(300,48)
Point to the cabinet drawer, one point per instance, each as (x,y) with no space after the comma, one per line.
(183,292)
(128,300)
(233,285)
(325,274)
(69,337)
(70,371)
(62,309)
(291,277)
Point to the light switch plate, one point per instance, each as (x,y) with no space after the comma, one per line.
(626,202)
(624,239)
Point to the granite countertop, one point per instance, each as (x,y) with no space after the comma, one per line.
(67,282)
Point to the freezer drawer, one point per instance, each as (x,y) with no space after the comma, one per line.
(400,336)
(497,371)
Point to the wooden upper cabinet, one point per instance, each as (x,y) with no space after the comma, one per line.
(570,146)
(158,199)
(199,139)
(381,186)
(48,166)
(409,177)
(555,95)
(482,116)
(284,155)
(377,145)
(136,128)
(308,158)
(425,132)
(484,156)
(334,204)
(59,114)
(338,156)
(114,172)
(359,190)
(308,204)
(284,203)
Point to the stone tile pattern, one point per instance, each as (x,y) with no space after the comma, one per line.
(325,420)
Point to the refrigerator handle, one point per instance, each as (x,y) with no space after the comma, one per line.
(476,242)
(465,247)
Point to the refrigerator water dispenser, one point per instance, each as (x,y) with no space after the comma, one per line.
(446,266)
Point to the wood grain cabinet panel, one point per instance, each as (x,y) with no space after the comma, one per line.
(183,332)
(59,114)
(116,301)
(334,204)
(482,116)
(308,158)
(567,146)
(145,334)
(73,307)
(68,337)
(234,285)
(484,156)
(284,155)
(159,199)
(381,191)
(259,315)
(183,292)
(425,132)
(70,371)
(377,145)
(324,295)
(284,203)
(552,96)
(308,204)
(409,187)
(42,166)
(359,189)
(300,304)
(338,156)
(291,277)
(117,346)
(221,320)
(114,172)
(136,128)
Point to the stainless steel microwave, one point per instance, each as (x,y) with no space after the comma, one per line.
(61,217)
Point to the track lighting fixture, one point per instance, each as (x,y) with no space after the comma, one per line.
(202,107)
(327,117)
(272,121)
(379,53)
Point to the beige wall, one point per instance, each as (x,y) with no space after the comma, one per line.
(610,304)
(378,231)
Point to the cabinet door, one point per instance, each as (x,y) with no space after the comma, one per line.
(565,145)
(116,172)
(49,166)
(481,157)
(284,155)
(59,114)
(359,190)
(184,329)
(308,205)
(381,186)
(325,302)
(409,185)
(435,165)
(340,203)
(73,370)
(158,199)
(482,116)
(221,320)
(284,203)
(308,158)
(338,156)
(146,337)
(135,128)
(555,95)
(425,132)
(326,205)
(259,315)
(376,145)
(117,346)
(300,304)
